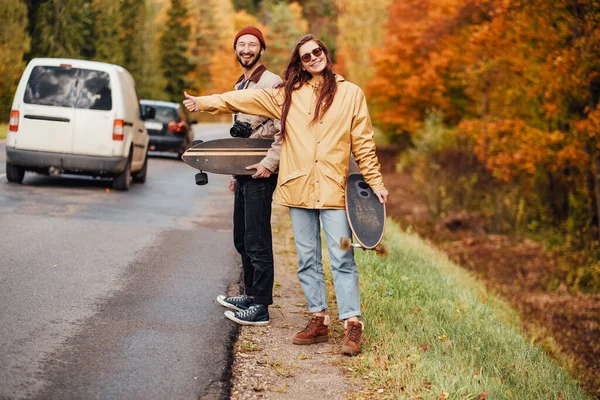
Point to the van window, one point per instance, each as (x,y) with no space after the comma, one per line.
(69,87)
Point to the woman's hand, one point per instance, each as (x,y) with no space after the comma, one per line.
(190,102)
(382,195)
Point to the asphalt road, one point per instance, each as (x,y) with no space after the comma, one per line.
(110,295)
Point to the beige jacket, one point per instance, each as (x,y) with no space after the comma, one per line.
(314,157)
(266,128)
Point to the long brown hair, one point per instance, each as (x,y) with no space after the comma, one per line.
(294,77)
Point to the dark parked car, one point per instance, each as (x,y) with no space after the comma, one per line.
(170,130)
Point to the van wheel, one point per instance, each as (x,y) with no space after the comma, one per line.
(14,173)
(140,177)
(121,181)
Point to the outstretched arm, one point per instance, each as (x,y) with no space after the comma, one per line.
(263,102)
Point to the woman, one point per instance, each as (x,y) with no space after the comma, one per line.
(324,119)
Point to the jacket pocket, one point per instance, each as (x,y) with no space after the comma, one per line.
(337,178)
(293,189)
(283,180)
(333,190)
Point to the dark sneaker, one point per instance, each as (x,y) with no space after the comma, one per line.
(351,344)
(256,314)
(316,331)
(237,303)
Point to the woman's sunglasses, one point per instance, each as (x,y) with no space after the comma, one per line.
(316,52)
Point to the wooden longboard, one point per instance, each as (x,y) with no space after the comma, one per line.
(366,215)
(227,156)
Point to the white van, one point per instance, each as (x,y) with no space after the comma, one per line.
(75,116)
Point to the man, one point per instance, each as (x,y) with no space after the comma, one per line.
(253,194)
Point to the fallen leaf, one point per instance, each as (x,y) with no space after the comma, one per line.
(443,395)
(424,347)
(482,395)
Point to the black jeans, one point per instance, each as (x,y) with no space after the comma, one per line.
(252,234)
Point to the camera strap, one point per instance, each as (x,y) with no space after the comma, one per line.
(243,86)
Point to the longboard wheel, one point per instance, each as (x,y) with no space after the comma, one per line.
(382,250)
(195,142)
(201,178)
(345,243)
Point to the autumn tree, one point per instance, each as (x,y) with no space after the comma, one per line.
(519,80)
(14,44)
(174,47)
(360,29)
(286,26)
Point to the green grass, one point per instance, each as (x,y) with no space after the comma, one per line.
(3,130)
(432,331)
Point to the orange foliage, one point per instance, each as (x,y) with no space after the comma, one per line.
(516,76)
(512,149)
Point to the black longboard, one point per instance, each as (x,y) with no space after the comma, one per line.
(227,156)
(366,216)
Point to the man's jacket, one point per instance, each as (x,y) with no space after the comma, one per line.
(266,128)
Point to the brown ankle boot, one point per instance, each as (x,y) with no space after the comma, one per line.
(316,331)
(351,344)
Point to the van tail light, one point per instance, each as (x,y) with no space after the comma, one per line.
(13,121)
(118,129)
(176,127)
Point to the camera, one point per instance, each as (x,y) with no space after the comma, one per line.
(240,130)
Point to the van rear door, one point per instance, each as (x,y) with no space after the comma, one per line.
(47,110)
(94,114)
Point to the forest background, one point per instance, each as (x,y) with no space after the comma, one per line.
(494,103)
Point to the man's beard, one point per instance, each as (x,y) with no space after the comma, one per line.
(252,63)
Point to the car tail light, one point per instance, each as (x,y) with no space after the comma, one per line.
(175,126)
(13,122)
(118,129)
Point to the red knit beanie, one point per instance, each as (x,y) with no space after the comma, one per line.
(250,30)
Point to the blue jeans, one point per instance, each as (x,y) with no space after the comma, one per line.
(307,235)
(252,235)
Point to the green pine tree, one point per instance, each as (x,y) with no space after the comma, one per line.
(152,83)
(107,31)
(14,43)
(132,37)
(174,46)
(251,6)
(62,29)
(286,26)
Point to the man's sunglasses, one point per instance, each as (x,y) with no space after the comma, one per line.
(316,52)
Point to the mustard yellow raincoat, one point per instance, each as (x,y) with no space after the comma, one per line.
(314,156)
